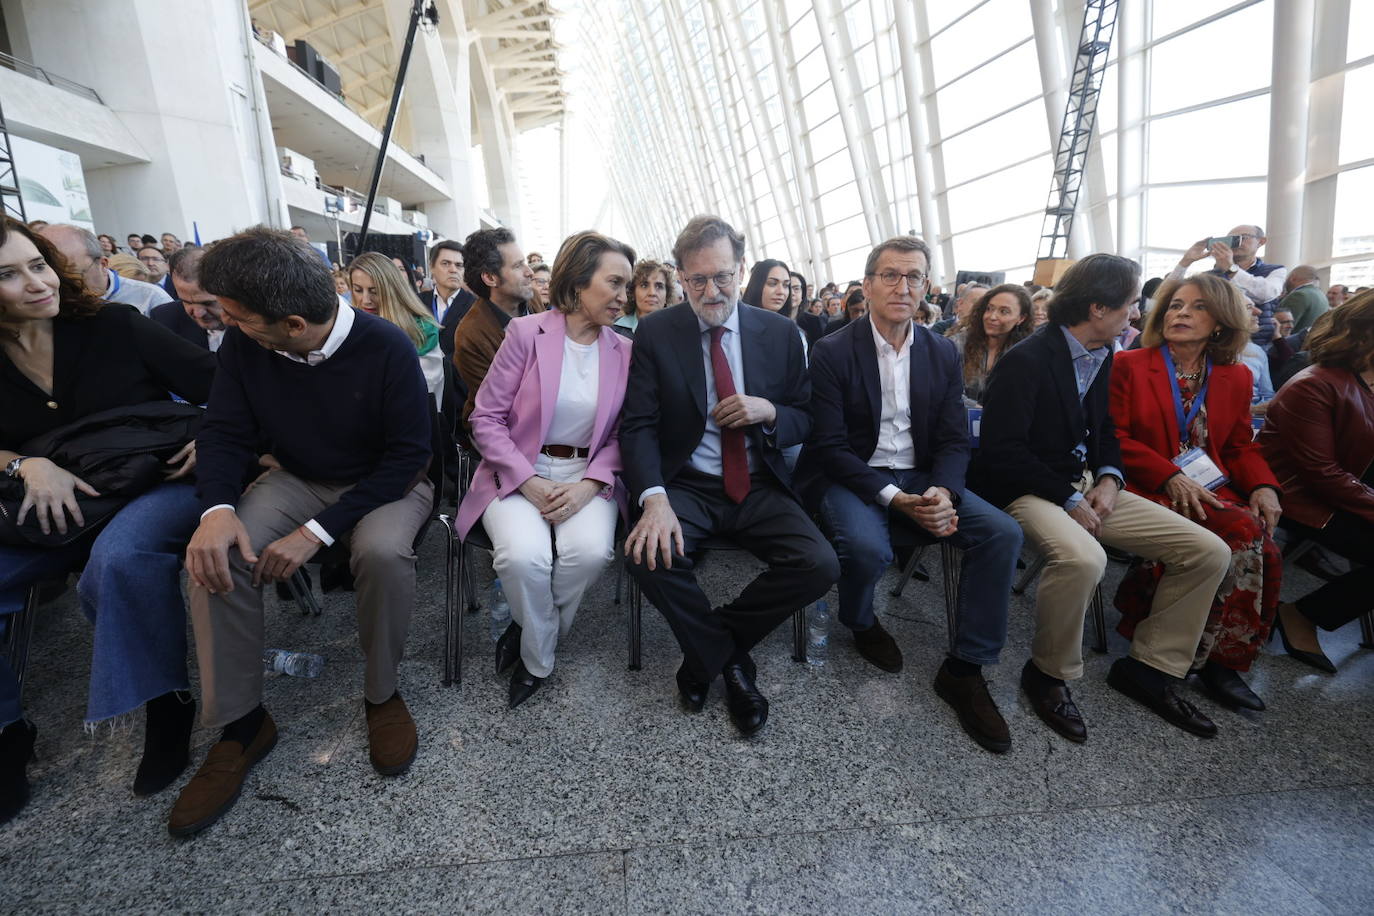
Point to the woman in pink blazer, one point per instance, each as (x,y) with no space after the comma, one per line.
(546,422)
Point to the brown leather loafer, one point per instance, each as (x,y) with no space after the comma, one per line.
(978,714)
(1053,704)
(216,785)
(878,646)
(391,738)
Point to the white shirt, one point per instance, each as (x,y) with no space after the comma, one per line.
(707,458)
(213,339)
(895,448)
(574,412)
(1258,290)
(142,296)
(343,323)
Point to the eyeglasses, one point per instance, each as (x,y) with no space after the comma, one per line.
(722,281)
(892,278)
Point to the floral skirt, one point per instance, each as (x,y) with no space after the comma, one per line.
(1247,599)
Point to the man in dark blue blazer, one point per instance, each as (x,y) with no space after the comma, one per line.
(889,445)
(716,390)
(195,315)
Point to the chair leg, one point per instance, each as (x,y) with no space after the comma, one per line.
(1099,621)
(453,619)
(469,582)
(908,571)
(799,635)
(619,580)
(949,565)
(1367,631)
(20,635)
(1029,575)
(633,610)
(304,595)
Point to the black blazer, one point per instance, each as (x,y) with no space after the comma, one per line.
(449,320)
(847,404)
(1033,420)
(172,315)
(813,326)
(665,402)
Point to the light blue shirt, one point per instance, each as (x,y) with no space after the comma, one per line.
(1086,364)
(1262,386)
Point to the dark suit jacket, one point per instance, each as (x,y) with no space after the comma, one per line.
(665,405)
(1032,420)
(172,315)
(449,320)
(847,404)
(813,326)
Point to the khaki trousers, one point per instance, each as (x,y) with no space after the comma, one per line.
(1195,560)
(229,627)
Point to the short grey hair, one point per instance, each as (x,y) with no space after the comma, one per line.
(903,243)
(705,230)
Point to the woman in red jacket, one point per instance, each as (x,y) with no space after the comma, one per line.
(1319,438)
(1181,406)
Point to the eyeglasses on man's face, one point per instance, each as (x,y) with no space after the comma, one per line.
(722,281)
(892,278)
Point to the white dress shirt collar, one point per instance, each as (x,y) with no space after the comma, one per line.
(343,323)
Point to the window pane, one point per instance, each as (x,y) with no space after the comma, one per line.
(1359,37)
(1015,135)
(993,27)
(1019,189)
(1357,129)
(1191,146)
(1353,232)
(1226,57)
(998,247)
(1169,17)
(1001,82)
(1178,217)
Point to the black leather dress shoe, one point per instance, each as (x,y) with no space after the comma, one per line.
(1227,688)
(522,685)
(1163,700)
(878,646)
(748,708)
(1053,703)
(693,693)
(508,647)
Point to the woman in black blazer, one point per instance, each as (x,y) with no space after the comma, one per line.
(65,355)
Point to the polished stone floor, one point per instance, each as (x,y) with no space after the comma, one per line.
(598,795)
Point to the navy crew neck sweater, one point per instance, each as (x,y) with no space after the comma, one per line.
(360,417)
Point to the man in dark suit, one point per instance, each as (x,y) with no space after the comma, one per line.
(449,301)
(196,315)
(716,390)
(889,443)
(1049,455)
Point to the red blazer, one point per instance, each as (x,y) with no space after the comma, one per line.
(1142,407)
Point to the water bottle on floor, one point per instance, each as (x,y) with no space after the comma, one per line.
(500,610)
(817,632)
(295,664)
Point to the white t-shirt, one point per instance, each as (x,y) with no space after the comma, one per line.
(574,413)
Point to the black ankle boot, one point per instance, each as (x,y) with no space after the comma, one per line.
(16,747)
(166,741)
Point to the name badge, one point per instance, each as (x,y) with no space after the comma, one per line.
(975,425)
(1198,466)
(1256,424)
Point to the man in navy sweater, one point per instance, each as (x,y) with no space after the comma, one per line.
(338,398)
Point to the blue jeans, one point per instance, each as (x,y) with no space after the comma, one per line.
(989,538)
(130,590)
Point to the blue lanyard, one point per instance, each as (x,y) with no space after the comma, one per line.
(1185,422)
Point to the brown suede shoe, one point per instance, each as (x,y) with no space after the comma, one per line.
(391,736)
(978,714)
(878,646)
(216,785)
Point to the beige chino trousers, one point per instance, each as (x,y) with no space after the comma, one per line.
(229,627)
(1195,561)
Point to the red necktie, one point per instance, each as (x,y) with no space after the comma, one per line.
(733,461)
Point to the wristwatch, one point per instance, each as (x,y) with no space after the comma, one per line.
(12,469)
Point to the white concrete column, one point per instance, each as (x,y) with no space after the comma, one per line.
(497,129)
(1132,100)
(1292,75)
(1326,104)
(920,133)
(799,152)
(937,152)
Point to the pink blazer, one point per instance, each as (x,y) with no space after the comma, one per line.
(514,408)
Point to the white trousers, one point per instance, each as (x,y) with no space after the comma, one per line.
(546,568)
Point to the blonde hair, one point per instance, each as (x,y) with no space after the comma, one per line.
(1225,303)
(395,297)
(128,267)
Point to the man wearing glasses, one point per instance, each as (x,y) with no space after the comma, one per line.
(889,447)
(1240,263)
(717,390)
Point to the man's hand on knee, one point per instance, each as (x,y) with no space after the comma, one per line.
(207,555)
(657,533)
(281,558)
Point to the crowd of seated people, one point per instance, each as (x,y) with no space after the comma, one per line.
(675,401)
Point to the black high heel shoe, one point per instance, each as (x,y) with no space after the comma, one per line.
(523,685)
(1317,660)
(508,647)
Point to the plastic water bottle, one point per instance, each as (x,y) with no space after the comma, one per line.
(817,632)
(296,664)
(500,610)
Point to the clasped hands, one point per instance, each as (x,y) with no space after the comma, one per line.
(558,502)
(207,556)
(933,510)
(1097,503)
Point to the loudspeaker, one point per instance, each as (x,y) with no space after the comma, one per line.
(305,57)
(328,76)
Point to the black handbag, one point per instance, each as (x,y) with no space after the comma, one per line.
(121,452)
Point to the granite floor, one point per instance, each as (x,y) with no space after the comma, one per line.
(599,795)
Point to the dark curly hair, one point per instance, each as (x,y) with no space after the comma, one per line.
(74,300)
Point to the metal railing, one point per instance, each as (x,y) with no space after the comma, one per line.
(52,79)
